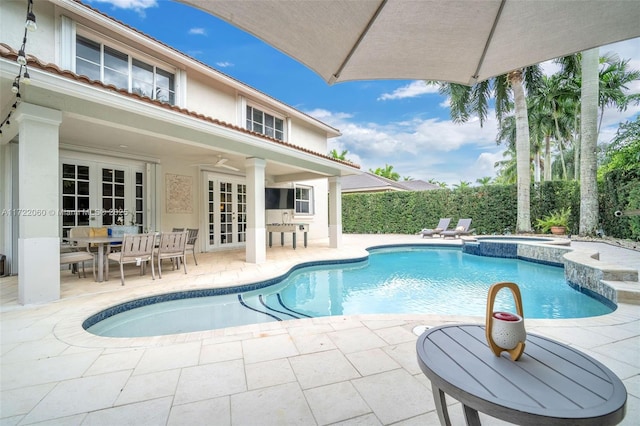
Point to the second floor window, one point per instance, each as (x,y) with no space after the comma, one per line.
(267,124)
(104,63)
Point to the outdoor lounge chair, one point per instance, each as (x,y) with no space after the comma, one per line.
(462,228)
(442,226)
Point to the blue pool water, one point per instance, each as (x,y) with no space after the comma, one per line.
(400,280)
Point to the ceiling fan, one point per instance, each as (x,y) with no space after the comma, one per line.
(220,163)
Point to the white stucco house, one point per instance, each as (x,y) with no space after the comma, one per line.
(114,120)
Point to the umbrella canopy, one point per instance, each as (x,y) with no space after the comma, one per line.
(461,41)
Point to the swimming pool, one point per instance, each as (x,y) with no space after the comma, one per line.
(391,280)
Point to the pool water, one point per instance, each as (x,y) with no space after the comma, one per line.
(401,280)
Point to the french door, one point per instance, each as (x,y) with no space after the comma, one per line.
(226,207)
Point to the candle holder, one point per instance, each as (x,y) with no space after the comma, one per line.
(504,330)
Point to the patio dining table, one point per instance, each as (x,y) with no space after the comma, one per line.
(551,384)
(102,243)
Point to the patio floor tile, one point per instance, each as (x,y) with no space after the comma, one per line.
(269,373)
(148,413)
(277,405)
(79,396)
(322,368)
(336,402)
(394,395)
(201,413)
(210,381)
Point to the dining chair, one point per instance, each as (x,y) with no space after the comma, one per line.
(80,251)
(138,249)
(172,246)
(76,258)
(192,237)
(177,230)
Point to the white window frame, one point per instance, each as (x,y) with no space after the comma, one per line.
(131,55)
(266,111)
(311,200)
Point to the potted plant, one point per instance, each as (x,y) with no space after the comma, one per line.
(556,222)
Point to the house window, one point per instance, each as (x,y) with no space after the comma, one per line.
(111,66)
(267,124)
(304,199)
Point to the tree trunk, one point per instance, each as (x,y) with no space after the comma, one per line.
(523,150)
(576,150)
(547,158)
(589,133)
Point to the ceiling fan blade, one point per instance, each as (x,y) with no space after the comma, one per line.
(228,167)
(221,161)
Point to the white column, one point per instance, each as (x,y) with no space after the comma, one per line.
(38,183)
(256,248)
(335,212)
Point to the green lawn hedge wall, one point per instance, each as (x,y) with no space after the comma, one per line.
(492,208)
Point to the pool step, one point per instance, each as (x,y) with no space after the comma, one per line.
(626,291)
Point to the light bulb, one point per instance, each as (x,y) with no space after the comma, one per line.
(30,24)
(15,87)
(21,59)
(26,78)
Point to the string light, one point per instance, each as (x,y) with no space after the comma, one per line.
(29,25)
(26,78)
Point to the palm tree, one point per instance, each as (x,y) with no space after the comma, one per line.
(614,78)
(387,172)
(342,156)
(507,168)
(589,135)
(484,181)
(468,101)
(461,185)
(435,182)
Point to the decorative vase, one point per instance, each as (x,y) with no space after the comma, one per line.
(505,331)
(508,330)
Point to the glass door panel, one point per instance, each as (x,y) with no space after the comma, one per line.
(226,212)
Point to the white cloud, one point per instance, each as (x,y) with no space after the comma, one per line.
(198,31)
(224,64)
(137,5)
(419,148)
(411,90)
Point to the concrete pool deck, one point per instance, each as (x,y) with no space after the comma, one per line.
(340,370)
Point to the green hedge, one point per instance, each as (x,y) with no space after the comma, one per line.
(492,208)
(620,191)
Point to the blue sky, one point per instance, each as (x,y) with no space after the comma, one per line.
(401,123)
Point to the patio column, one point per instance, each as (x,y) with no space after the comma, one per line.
(256,247)
(38,195)
(335,212)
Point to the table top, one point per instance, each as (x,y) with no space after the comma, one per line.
(551,383)
(95,240)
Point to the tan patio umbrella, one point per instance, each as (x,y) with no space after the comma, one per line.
(461,41)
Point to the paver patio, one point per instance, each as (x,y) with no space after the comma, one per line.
(334,370)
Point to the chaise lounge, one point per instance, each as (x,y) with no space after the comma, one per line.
(462,228)
(442,226)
